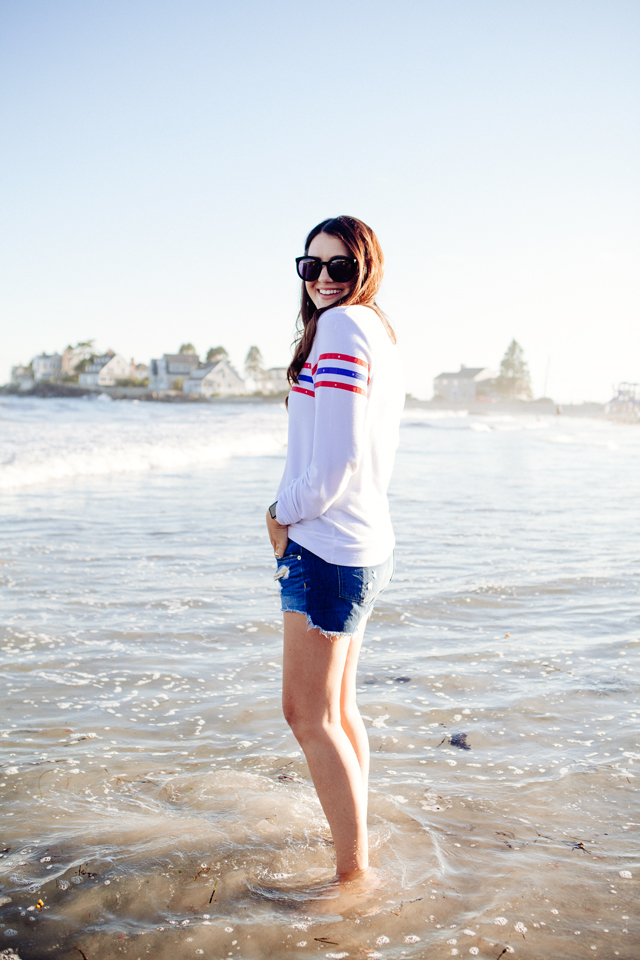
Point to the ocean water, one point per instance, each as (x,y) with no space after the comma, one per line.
(154,803)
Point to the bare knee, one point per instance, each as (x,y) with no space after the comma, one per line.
(305,720)
(289,711)
(299,719)
(350,715)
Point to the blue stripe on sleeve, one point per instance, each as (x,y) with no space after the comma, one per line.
(342,371)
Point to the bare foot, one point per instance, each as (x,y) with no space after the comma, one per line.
(362,881)
(355,891)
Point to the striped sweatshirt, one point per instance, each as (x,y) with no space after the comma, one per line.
(344,415)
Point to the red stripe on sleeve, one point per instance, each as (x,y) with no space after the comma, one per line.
(342,356)
(309,393)
(340,386)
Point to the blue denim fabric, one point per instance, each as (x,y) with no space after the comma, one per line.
(334,598)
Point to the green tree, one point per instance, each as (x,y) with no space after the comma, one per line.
(514,381)
(73,356)
(253,363)
(187,348)
(217,353)
(81,366)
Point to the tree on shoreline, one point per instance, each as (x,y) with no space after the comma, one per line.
(514,380)
(75,359)
(253,363)
(187,348)
(217,353)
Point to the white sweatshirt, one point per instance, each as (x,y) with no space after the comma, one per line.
(344,415)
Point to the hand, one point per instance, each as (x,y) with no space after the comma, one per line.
(278,534)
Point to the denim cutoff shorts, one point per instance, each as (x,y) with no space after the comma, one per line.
(335,599)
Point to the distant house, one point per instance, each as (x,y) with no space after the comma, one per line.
(171,367)
(47,366)
(273,381)
(105,371)
(73,357)
(68,362)
(22,376)
(466,385)
(214,379)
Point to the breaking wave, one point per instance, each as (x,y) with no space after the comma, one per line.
(45,441)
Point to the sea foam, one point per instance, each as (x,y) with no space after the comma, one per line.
(55,440)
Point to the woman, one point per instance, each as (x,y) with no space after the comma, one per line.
(330,527)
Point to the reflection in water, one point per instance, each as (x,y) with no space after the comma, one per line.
(154,802)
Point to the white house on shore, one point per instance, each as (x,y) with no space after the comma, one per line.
(171,367)
(464,386)
(22,376)
(47,366)
(105,371)
(273,381)
(217,379)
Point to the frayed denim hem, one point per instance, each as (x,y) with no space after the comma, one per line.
(329,634)
(290,607)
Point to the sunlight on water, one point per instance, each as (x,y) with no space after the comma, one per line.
(154,801)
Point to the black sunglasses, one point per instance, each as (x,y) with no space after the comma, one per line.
(340,269)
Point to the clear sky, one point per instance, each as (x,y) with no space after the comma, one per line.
(162,161)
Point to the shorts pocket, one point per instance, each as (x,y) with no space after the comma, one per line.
(292,552)
(359,584)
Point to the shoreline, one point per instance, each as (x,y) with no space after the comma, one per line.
(543,407)
(49,390)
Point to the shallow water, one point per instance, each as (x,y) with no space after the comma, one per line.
(154,802)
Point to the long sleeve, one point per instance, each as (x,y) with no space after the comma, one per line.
(337,376)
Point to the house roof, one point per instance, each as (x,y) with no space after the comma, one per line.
(99,362)
(190,358)
(465,373)
(201,372)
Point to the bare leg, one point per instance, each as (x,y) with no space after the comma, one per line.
(313,675)
(352,723)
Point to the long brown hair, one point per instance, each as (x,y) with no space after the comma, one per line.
(363,244)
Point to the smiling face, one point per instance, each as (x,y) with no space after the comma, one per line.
(324,291)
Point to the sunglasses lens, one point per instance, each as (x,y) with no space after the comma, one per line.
(309,268)
(341,269)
